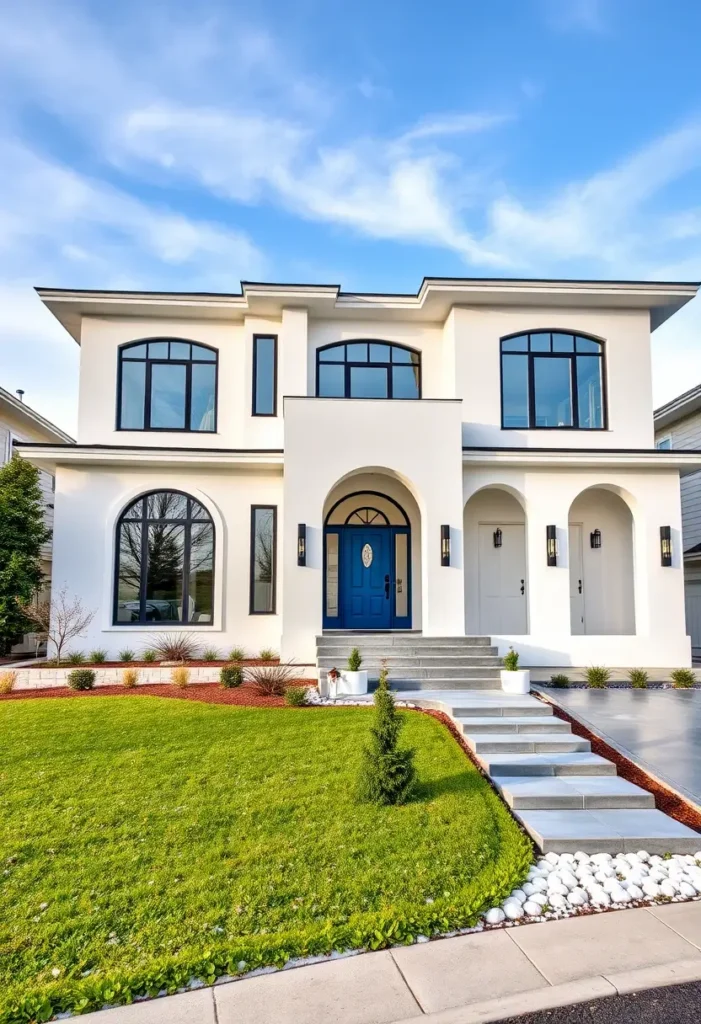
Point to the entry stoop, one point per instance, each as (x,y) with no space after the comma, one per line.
(415,661)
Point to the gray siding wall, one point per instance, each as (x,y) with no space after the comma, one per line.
(687,434)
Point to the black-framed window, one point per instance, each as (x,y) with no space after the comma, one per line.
(167,384)
(164,562)
(552,380)
(368,369)
(265,374)
(263,559)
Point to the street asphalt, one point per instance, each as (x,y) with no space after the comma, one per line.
(678,1004)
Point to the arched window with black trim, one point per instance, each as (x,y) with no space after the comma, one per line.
(368,369)
(167,384)
(552,380)
(164,562)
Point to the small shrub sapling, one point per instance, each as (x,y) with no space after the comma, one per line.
(230,676)
(354,660)
(130,677)
(683,678)
(560,681)
(638,678)
(388,774)
(597,677)
(296,696)
(81,679)
(511,661)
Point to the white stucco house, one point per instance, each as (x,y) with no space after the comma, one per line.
(475,459)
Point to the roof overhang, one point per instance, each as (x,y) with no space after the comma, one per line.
(48,456)
(431,304)
(681,406)
(595,458)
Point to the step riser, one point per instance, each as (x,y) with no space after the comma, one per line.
(400,639)
(439,684)
(419,672)
(409,651)
(505,710)
(541,770)
(370,662)
(553,746)
(564,803)
(483,731)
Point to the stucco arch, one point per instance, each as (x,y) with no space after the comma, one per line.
(514,492)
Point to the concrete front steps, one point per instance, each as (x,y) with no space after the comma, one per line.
(415,661)
(567,798)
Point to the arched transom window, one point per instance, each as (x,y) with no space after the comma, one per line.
(551,379)
(368,369)
(165,561)
(167,384)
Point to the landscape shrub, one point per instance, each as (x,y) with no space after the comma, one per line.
(130,677)
(511,661)
(177,647)
(638,678)
(148,656)
(230,676)
(7,681)
(81,679)
(296,696)
(683,678)
(75,658)
(126,654)
(387,774)
(268,654)
(383,681)
(560,680)
(210,654)
(597,677)
(97,657)
(354,660)
(180,677)
(271,680)
(237,654)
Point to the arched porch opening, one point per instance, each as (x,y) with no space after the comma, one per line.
(372,554)
(496,568)
(601,564)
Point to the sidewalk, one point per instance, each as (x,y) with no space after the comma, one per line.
(483,977)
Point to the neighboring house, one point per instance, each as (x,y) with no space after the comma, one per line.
(678,428)
(477,458)
(18,422)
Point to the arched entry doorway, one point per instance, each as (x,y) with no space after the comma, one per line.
(496,573)
(602,600)
(367,562)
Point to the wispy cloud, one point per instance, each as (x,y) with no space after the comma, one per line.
(576,15)
(453,124)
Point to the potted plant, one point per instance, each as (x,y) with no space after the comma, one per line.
(353,680)
(332,677)
(513,678)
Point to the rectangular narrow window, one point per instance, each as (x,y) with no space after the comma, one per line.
(263,559)
(202,406)
(133,394)
(165,560)
(332,575)
(332,381)
(552,384)
(129,579)
(264,375)
(514,384)
(589,392)
(201,576)
(168,393)
(402,570)
(664,443)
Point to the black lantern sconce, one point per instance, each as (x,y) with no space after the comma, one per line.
(551,544)
(302,544)
(445,545)
(497,538)
(666,545)
(595,539)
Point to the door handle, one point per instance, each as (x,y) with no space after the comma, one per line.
(523,586)
(579,587)
(387,587)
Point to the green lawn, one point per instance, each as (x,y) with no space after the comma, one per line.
(146,840)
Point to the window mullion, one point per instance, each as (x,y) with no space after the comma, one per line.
(188,395)
(144,564)
(185,614)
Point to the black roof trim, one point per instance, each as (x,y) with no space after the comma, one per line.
(150,448)
(584,451)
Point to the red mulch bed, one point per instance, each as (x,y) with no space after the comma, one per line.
(252,662)
(665,799)
(245,695)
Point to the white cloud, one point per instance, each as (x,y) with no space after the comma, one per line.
(576,15)
(452,124)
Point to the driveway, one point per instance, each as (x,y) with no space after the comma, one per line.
(658,729)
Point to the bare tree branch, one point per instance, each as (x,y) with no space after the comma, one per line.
(61,619)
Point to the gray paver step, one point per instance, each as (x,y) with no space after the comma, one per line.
(401,639)
(527,743)
(400,683)
(573,792)
(485,724)
(422,660)
(608,831)
(546,764)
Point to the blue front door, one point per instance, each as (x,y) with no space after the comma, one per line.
(366,578)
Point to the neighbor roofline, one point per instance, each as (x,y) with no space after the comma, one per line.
(677,408)
(34,417)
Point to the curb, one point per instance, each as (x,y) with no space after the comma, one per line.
(553,996)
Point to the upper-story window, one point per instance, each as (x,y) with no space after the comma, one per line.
(368,369)
(664,443)
(265,375)
(552,380)
(167,384)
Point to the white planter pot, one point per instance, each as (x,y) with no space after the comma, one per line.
(332,687)
(516,682)
(353,683)
(323,684)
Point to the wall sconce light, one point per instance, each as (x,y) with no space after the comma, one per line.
(595,539)
(666,545)
(302,544)
(445,545)
(551,544)
(497,538)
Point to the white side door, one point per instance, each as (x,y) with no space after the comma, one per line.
(502,580)
(577,625)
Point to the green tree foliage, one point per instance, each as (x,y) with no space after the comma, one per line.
(22,534)
(387,773)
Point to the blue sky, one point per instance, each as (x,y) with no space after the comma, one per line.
(186,146)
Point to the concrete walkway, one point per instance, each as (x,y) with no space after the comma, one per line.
(483,977)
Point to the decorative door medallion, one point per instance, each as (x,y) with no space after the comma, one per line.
(366,555)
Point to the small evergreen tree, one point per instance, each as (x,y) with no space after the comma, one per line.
(387,774)
(22,533)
